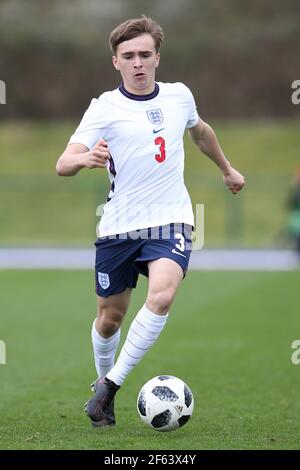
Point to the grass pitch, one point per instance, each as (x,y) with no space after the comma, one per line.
(229,337)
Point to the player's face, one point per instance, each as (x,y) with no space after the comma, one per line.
(137,60)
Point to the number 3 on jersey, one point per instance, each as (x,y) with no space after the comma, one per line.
(160,157)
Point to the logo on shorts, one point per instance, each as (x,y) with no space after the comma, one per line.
(177,253)
(103,279)
(155,116)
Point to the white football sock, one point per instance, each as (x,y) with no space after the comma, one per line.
(143,332)
(104,350)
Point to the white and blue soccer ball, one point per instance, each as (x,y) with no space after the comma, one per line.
(165,403)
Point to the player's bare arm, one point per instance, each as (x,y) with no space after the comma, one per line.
(77,156)
(206,140)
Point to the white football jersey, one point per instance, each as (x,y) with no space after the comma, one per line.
(145,140)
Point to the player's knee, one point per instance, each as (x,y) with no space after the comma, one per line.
(110,320)
(108,327)
(161,300)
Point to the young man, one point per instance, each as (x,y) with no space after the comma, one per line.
(136,132)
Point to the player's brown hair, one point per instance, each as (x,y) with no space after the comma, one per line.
(132,28)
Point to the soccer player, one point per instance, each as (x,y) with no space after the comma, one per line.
(136,133)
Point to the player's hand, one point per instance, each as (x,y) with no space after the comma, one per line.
(97,156)
(234,180)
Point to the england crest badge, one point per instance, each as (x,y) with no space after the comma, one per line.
(103,279)
(155,116)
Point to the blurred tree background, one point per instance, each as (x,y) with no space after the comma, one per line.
(239,57)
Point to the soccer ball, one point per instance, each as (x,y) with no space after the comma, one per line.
(165,403)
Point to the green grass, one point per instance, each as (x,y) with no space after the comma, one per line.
(231,342)
(39,208)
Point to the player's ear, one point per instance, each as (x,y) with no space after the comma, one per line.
(157,59)
(115,62)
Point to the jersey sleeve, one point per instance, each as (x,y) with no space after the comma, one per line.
(193,116)
(92,126)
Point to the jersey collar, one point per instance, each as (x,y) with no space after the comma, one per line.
(132,96)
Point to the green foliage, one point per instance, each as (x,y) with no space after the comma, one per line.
(240,58)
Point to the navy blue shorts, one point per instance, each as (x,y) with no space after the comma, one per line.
(121,258)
